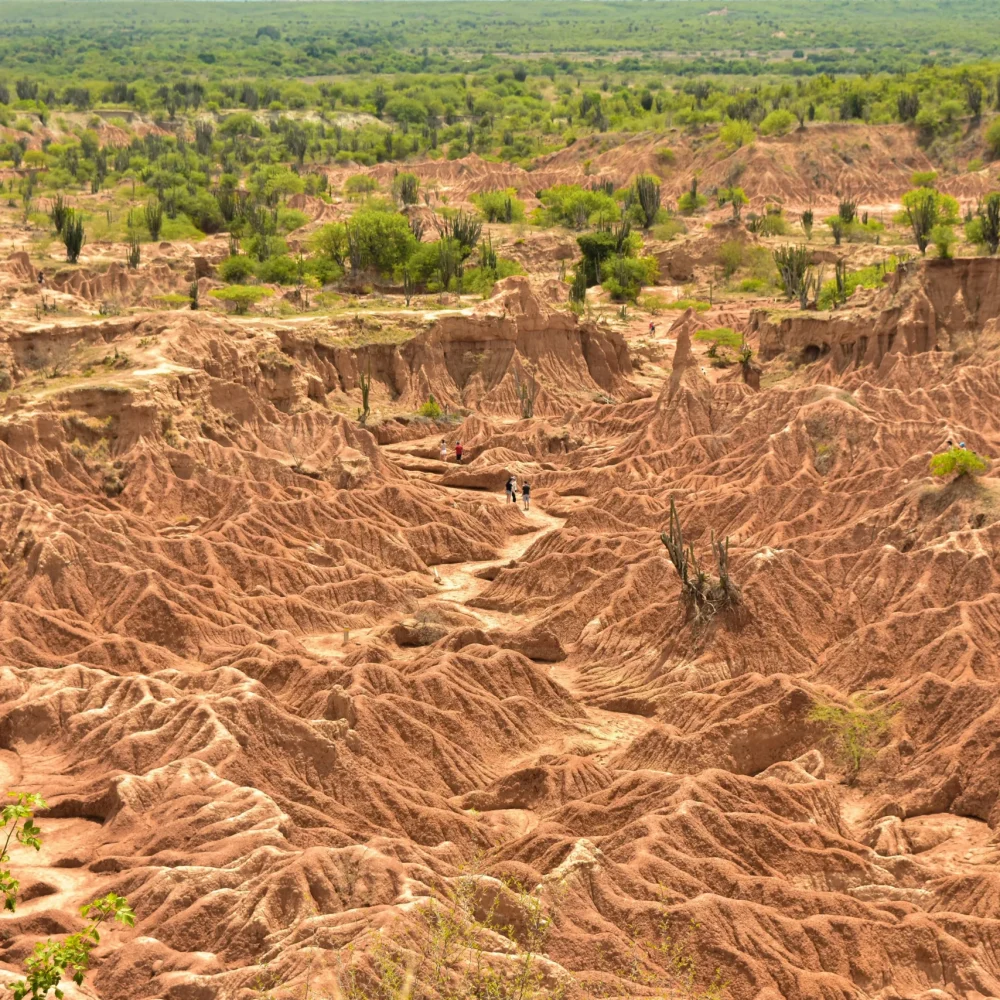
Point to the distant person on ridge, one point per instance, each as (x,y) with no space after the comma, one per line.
(509,487)
(458,452)
(513,489)
(652,328)
(526,494)
(444,450)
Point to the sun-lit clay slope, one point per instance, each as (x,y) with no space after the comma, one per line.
(522,696)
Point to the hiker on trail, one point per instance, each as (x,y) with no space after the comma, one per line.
(526,494)
(652,328)
(513,489)
(41,279)
(961,445)
(444,450)
(458,452)
(508,486)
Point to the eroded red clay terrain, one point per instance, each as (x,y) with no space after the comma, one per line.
(523,715)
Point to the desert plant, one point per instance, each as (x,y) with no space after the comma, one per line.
(408,285)
(431,409)
(461,226)
(792,263)
(854,732)
(23,807)
(837,227)
(746,359)
(961,461)
(736,133)
(134,252)
(241,297)
(578,289)
(989,221)
(848,210)
(647,193)
(153,214)
(193,294)
(499,206)
(691,201)
(923,209)
(417,227)
(943,238)
(526,387)
(703,594)
(365,382)
(730,257)
(58,213)
(807,223)
(404,187)
(51,960)
(73,236)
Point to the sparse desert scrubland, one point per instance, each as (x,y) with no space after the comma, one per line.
(296,705)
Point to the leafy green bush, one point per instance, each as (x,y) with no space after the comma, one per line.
(777,122)
(360,184)
(235,270)
(241,297)
(291,218)
(623,277)
(570,205)
(923,209)
(430,409)
(866,277)
(378,240)
(993,137)
(962,461)
(943,238)
(500,206)
(854,732)
(730,257)
(736,133)
(722,336)
(281,270)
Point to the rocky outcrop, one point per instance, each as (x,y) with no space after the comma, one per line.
(930,305)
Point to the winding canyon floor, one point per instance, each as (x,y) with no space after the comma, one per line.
(527,753)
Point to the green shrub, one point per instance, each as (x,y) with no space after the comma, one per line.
(777,122)
(722,336)
(235,270)
(281,270)
(430,409)
(866,277)
(623,277)
(669,229)
(378,240)
(499,206)
(854,732)
(943,238)
(291,218)
(480,280)
(731,257)
(360,184)
(241,297)
(962,461)
(736,133)
(993,137)
(570,205)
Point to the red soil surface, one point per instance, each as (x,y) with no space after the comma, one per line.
(521,697)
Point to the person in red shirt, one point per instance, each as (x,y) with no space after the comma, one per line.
(458,452)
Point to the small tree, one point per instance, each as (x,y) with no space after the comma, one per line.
(526,386)
(807,223)
(73,236)
(923,209)
(193,294)
(854,732)
(961,461)
(241,297)
(736,197)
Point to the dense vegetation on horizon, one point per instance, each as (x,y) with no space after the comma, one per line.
(123,41)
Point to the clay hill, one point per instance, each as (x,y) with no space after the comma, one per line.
(341,722)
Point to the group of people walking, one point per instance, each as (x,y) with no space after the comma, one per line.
(511,486)
(511,489)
